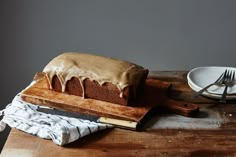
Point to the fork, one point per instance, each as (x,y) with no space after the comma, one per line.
(228,82)
(218,82)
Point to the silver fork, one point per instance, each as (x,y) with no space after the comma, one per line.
(218,82)
(228,82)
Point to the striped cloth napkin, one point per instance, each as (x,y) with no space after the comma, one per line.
(61,129)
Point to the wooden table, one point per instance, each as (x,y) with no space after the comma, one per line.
(150,142)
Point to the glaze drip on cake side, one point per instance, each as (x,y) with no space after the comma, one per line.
(87,66)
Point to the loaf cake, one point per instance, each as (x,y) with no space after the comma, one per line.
(96,77)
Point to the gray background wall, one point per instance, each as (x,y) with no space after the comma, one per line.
(158,34)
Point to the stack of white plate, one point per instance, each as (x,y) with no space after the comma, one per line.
(200,77)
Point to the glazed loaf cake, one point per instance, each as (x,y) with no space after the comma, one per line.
(96,77)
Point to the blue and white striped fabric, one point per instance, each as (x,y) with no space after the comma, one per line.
(62,130)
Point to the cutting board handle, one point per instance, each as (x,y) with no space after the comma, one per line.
(182,108)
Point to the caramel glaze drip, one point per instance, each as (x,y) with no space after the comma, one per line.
(101,69)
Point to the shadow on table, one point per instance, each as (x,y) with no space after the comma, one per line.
(3,137)
(207,118)
(89,140)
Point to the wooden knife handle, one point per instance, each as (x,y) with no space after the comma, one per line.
(182,108)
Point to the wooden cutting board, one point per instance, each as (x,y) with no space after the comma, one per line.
(128,116)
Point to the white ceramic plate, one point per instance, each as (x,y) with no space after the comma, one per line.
(210,95)
(200,77)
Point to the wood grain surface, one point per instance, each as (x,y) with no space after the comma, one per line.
(220,142)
